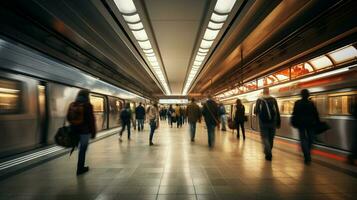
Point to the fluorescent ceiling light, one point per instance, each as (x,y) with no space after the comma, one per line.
(197,62)
(321,62)
(125,6)
(218,18)
(140,35)
(136,26)
(206,44)
(224,6)
(148,51)
(145,44)
(210,34)
(150,54)
(195,67)
(152,59)
(344,54)
(155,63)
(199,58)
(201,54)
(213,25)
(203,50)
(132,18)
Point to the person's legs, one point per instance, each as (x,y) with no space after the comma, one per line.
(210,131)
(237,125)
(123,124)
(128,125)
(152,130)
(192,130)
(223,120)
(271,138)
(83,144)
(266,142)
(304,142)
(243,131)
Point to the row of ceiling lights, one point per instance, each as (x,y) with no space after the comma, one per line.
(218,17)
(132,18)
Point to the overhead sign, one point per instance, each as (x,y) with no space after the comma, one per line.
(173,101)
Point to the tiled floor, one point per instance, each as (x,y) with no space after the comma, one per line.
(175,168)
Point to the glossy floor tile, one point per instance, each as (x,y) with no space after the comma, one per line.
(175,168)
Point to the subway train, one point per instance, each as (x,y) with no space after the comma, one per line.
(35,92)
(334,93)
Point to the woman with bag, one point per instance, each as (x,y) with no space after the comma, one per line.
(305,118)
(239,117)
(153,119)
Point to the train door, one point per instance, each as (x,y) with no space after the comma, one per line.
(100,110)
(254,119)
(43,112)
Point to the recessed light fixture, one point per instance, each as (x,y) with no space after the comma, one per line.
(128,10)
(217,19)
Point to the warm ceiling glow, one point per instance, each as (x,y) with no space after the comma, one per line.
(224,6)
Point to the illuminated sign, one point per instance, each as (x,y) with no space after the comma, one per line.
(173,101)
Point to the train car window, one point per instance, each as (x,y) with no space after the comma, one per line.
(98,103)
(246,107)
(253,108)
(301,70)
(286,107)
(341,105)
(10,96)
(321,62)
(320,103)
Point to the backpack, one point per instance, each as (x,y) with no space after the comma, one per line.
(66,138)
(267,110)
(125,114)
(75,115)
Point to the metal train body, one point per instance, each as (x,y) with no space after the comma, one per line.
(35,92)
(333,95)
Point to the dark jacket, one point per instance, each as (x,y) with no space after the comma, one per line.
(304,114)
(140,112)
(239,114)
(210,112)
(125,115)
(193,112)
(88,125)
(261,107)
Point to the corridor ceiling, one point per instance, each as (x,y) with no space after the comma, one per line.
(157,48)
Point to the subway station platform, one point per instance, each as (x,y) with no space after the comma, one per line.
(175,168)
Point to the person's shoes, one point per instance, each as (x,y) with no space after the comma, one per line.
(238,137)
(120,139)
(268,157)
(243,137)
(151,143)
(82,171)
(224,130)
(192,140)
(307,161)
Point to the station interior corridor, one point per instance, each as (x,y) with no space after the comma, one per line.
(175,168)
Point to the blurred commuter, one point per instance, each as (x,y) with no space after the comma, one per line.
(178,115)
(140,116)
(210,114)
(194,114)
(125,117)
(222,116)
(169,115)
(353,156)
(305,118)
(153,119)
(239,117)
(80,116)
(269,119)
(183,115)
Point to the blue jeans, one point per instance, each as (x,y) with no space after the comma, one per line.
(192,130)
(267,134)
(152,129)
(83,144)
(140,124)
(210,132)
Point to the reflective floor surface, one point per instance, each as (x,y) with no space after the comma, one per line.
(175,168)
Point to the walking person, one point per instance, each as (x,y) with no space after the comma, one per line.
(169,115)
(239,117)
(210,114)
(193,112)
(81,118)
(305,117)
(222,116)
(267,111)
(140,116)
(125,117)
(178,116)
(153,119)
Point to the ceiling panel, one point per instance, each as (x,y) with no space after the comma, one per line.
(176,25)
